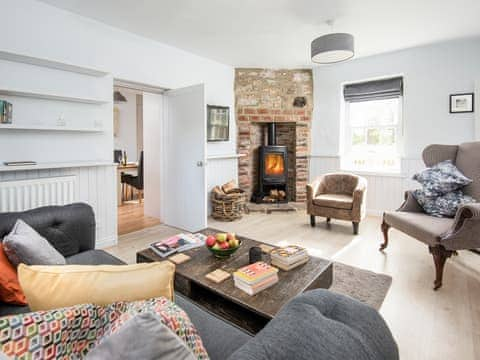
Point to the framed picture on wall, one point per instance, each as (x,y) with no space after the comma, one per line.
(218,123)
(461,103)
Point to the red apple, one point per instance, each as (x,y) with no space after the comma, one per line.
(230,236)
(224,245)
(210,241)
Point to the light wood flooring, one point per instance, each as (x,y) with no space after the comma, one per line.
(131,218)
(426,324)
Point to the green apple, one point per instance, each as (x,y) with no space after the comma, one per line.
(221,237)
(216,246)
(233,243)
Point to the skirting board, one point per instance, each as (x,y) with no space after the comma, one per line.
(106,242)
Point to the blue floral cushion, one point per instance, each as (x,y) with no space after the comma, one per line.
(444,205)
(441,179)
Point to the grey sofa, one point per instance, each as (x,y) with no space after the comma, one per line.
(334,326)
(443,236)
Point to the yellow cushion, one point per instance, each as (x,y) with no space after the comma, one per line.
(51,287)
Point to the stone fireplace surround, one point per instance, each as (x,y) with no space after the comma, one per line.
(264,96)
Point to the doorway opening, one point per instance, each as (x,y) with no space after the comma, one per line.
(134,130)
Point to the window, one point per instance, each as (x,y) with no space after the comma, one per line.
(373,126)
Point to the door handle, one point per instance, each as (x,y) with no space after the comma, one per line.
(200,163)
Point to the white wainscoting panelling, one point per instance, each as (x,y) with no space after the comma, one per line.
(219,171)
(21,195)
(94,185)
(385,191)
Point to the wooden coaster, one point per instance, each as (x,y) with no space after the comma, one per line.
(266,248)
(179,258)
(217,276)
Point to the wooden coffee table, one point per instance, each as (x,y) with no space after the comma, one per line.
(251,313)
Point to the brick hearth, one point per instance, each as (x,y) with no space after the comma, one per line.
(264,96)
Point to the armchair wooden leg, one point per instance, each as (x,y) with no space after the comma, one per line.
(355,227)
(440,256)
(312,220)
(328,220)
(385,228)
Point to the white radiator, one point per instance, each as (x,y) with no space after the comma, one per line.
(20,195)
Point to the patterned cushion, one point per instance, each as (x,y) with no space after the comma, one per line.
(69,333)
(441,179)
(442,206)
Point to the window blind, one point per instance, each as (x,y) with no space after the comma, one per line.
(374,90)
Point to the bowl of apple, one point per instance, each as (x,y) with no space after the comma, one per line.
(222,245)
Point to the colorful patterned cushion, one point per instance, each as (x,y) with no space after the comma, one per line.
(441,179)
(69,333)
(442,206)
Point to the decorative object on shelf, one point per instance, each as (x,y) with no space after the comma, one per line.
(228,207)
(333,47)
(6,112)
(461,103)
(19,163)
(218,122)
(118,97)
(300,101)
(254,254)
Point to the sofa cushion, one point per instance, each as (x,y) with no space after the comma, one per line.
(322,325)
(73,331)
(70,228)
(443,205)
(51,287)
(24,245)
(94,257)
(142,337)
(441,178)
(337,201)
(10,290)
(219,337)
(423,227)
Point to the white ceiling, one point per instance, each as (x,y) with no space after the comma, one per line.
(277,33)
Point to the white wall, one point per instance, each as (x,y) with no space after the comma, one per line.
(431,73)
(38,29)
(126,138)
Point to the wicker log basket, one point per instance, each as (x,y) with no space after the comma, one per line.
(228,202)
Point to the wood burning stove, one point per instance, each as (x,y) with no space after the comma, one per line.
(272,172)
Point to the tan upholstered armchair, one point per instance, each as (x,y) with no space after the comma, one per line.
(338,196)
(442,235)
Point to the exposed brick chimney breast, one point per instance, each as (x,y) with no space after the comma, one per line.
(263,96)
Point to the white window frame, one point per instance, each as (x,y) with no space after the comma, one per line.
(347,140)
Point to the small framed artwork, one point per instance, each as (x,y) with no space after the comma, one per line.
(461,103)
(218,123)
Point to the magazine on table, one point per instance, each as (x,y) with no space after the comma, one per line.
(178,243)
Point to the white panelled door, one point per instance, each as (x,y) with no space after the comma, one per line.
(184,192)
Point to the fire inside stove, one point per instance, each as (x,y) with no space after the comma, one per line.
(274,164)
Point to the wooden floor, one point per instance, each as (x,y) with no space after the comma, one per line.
(131,218)
(426,324)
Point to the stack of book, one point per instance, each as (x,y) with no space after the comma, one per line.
(255,277)
(289,257)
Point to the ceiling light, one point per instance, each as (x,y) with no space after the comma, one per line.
(332,48)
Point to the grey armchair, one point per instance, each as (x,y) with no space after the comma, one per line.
(444,236)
